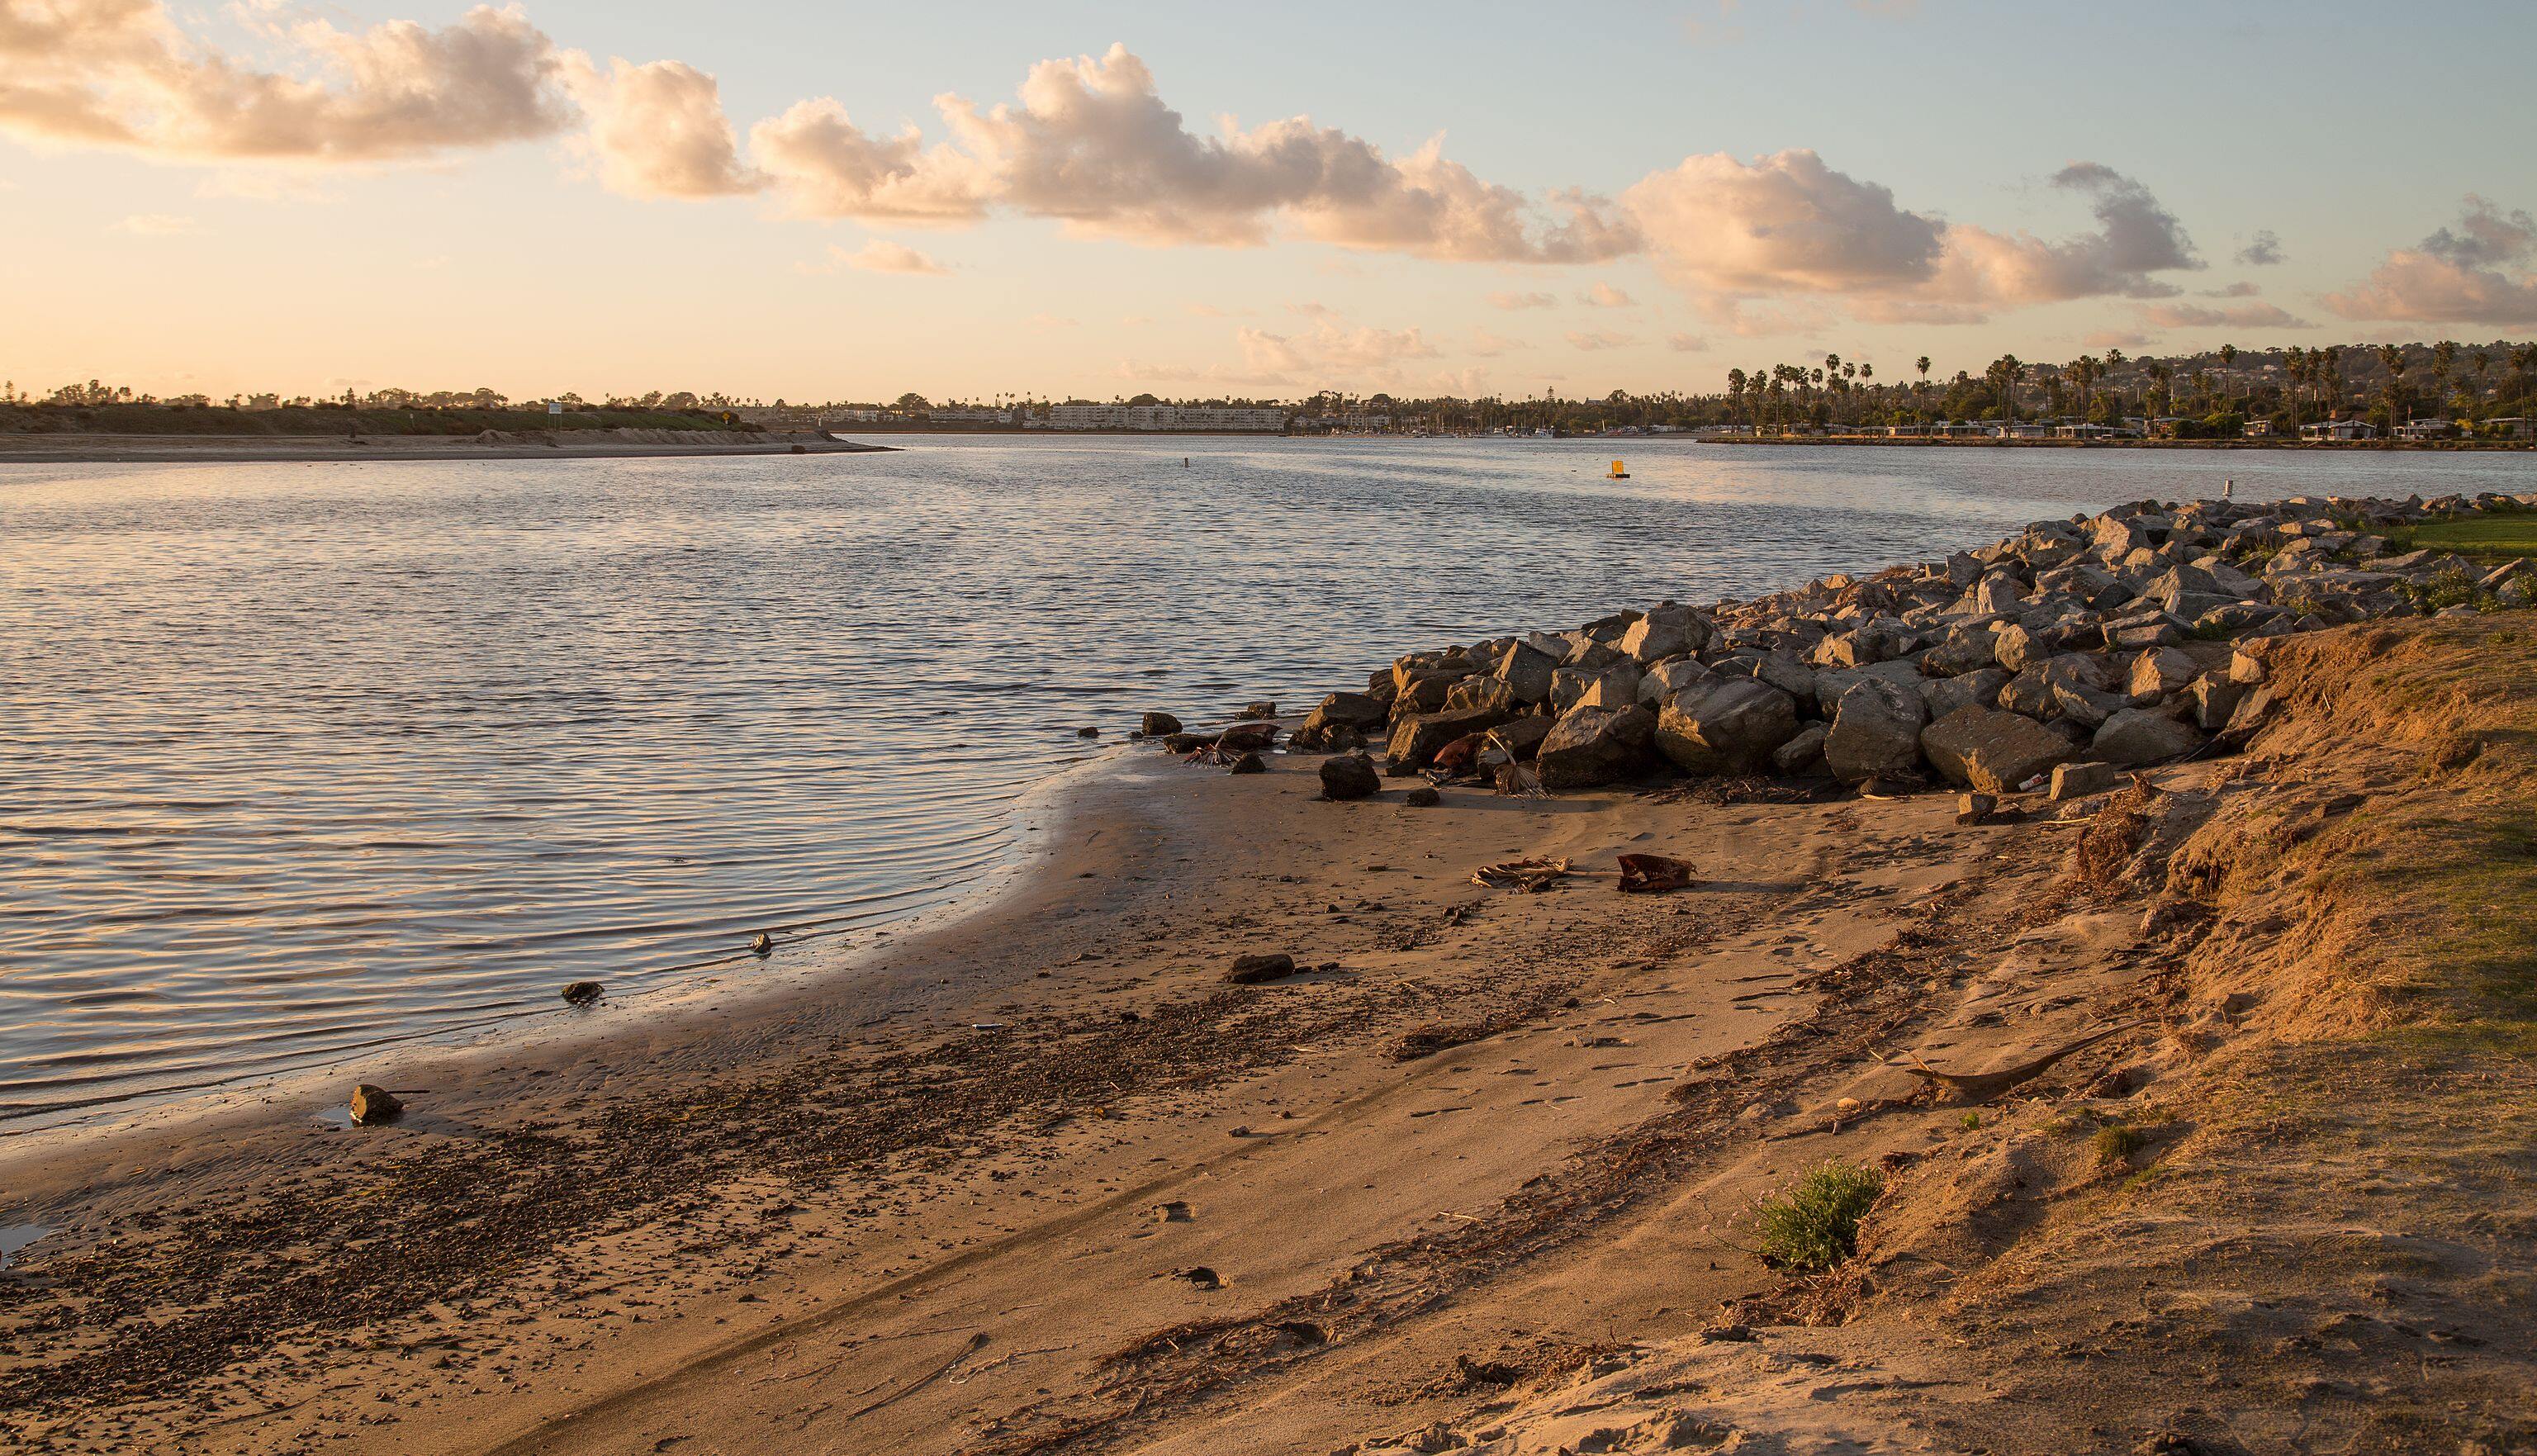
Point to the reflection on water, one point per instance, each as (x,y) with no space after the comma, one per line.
(296,759)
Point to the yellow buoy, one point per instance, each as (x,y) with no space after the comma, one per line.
(1618,474)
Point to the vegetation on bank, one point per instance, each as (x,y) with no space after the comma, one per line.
(1816,1226)
(333,420)
(2499,536)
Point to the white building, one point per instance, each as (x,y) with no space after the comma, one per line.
(969,414)
(1164,417)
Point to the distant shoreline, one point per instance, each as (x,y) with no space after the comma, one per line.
(593,444)
(1933,442)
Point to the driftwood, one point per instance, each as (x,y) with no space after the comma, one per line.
(1531,876)
(1653,874)
(1981,1087)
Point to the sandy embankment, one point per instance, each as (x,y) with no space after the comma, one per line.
(492,444)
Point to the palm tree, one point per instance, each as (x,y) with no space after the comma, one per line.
(2443,363)
(2295,362)
(2229,362)
(2481,360)
(2393,359)
(1922,364)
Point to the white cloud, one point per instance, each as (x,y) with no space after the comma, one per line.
(2479,272)
(1514,301)
(120,72)
(157,225)
(1686,342)
(1604,296)
(1578,339)
(657,130)
(2239,316)
(2262,250)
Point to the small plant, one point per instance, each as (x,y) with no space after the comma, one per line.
(2116,1143)
(1972,1120)
(1817,1226)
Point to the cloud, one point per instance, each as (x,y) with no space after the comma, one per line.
(1332,348)
(2240,317)
(1686,342)
(1591,342)
(1091,145)
(2477,272)
(878,257)
(157,225)
(2239,290)
(1485,344)
(1523,301)
(1604,296)
(657,130)
(2263,251)
(2135,237)
(120,72)
(2115,339)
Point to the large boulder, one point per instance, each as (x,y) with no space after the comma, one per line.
(1961,651)
(1803,754)
(2134,736)
(1492,693)
(1526,670)
(2213,697)
(1662,681)
(2018,648)
(1875,731)
(2159,672)
(1519,738)
(1665,631)
(1569,684)
(1347,711)
(1349,776)
(1416,738)
(1728,725)
(1945,695)
(1429,667)
(1992,750)
(1592,746)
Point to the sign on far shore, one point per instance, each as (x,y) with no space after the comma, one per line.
(554,406)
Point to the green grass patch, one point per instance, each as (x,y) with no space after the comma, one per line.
(1816,1226)
(2116,1143)
(2495,536)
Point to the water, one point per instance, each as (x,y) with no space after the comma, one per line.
(300,760)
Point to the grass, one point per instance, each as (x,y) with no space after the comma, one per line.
(2495,536)
(1816,1227)
(2116,1143)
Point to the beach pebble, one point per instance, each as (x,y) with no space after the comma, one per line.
(583,993)
(1424,797)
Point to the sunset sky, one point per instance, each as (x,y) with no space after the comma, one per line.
(776,198)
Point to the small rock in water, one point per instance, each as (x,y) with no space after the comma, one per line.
(1349,776)
(1260,710)
(764,944)
(1160,725)
(1249,763)
(1252,970)
(1424,797)
(1087,733)
(374,1104)
(582,993)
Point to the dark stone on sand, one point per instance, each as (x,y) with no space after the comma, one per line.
(582,993)
(1249,763)
(764,944)
(1976,808)
(1242,738)
(374,1104)
(1160,725)
(1424,797)
(1251,970)
(1349,776)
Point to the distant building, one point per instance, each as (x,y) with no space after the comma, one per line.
(970,414)
(2258,429)
(1164,417)
(2423,430)
(2339,430)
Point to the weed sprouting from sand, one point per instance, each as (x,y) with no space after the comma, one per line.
(1816,1226)
(1972,1121)
(2116,1143)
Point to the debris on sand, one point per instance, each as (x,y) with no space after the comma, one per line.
(374,1104)
(1653,874)
(1531,876)
(1251,970)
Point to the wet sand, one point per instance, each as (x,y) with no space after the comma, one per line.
(569,444)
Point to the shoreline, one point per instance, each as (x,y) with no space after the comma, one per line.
(1483,1168)
(149,450)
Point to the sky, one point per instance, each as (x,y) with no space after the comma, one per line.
(774,198)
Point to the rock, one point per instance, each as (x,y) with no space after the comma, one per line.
(2083,705)
(2017,649)
(1660,683)
(1242,738)
(583,993)
(1163,725)
(1591,746)
(1249,763)
(1257,711)
(2155,629)
(1350,709)
(1875,732)
(1978,688)
(1803,754)
(1416,738)
(1349,776)
(2245,668)
(1526,670)
(374,1104)
(1425,796)
(1998,593)
(2159,672)
(1420,668)
(2213,698)
(1992,750)
(1251,970)
(1665,631)
(1492,693)
(2081,780)
(1519,738)
(1728,725)
(1964,649)
(2134,736)
(1975,809)
(1618,687)
(1087,733)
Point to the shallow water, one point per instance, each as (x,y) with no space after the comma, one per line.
(300,759)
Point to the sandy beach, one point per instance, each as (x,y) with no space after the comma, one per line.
(2143,1069)
(574,444)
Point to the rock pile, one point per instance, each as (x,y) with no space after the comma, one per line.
(2069,650)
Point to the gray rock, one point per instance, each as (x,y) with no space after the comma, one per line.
(1944,696)
(1492,693)
(1519,738)
(1803,754)
(1416,738)
(1665,631)
(2213,698)
(1160,725)
(1729,725)
(2079,780)
(1251,970)
(1992,750)
(2159,672)
(2017,647)
(374,1104)
(2134,736)
(1875,731)
(1666,678)
(1249,763)
(1425,796)
(1349,776)
(1591,746)
(1526,670)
